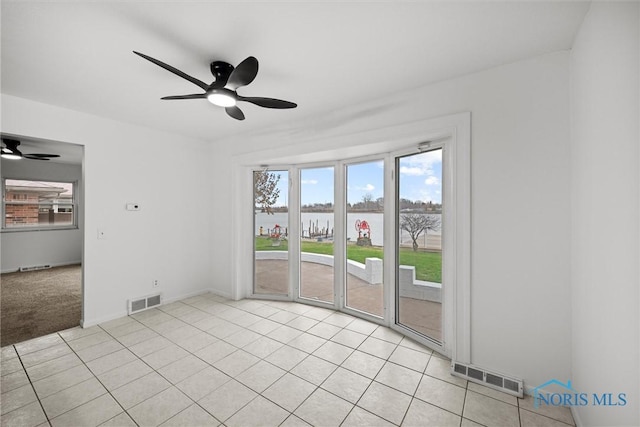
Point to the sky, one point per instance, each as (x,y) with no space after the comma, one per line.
(420,179)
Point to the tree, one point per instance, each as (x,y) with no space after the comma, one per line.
(366,201)
(416,224)
(265,190)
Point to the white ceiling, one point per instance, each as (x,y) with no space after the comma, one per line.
(69,153)
(323,55)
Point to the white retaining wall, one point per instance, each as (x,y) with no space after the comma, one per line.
(371,272)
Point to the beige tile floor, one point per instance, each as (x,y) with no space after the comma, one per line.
(209,361)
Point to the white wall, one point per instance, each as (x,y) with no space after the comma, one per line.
(520,317)
(223,238)
(605,214)
(54,247)
(168,175)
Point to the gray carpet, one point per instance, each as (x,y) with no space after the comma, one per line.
(38,303)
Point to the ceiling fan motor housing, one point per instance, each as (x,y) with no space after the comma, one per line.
(221,71)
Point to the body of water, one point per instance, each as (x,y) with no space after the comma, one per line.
(320,221)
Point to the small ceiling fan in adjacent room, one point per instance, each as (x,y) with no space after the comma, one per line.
(223,91)
(10,151)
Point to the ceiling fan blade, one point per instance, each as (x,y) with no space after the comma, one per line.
(243,74)
(193,96)
(235,112)
(31,157)
(268,102)
(41,155)
(174,70)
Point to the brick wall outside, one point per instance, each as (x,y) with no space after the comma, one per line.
(21,214)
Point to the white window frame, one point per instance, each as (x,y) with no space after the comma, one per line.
(250,290)
(455,130)
(383,157)
(448,252)
(74,204)
(297,274)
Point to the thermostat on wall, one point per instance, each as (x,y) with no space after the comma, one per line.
(133,207)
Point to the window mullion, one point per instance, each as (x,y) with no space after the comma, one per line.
(340,234)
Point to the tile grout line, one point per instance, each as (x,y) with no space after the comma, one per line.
(517,405)
(519,414)
(46,361)
(98,380)
(150,367)
(464,402)
(156,371)
(31,384)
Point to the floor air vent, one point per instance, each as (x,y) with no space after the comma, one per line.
(489,379)
(35,267)
(144,303)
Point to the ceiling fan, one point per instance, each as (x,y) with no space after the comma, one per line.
(11,151)
(223,91)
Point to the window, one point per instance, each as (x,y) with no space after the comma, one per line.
(316,234)
(271,230)
(414,279)
(29,205)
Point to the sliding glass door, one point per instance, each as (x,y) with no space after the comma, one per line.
(419,244)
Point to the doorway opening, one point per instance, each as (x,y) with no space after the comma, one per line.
(41,238)
(419,211)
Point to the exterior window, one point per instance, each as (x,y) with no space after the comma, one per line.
(38,204)
(271,224)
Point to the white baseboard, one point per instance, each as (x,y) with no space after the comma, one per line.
(220,293)
(93,322)
(576,417)
(52,264)
(166,301)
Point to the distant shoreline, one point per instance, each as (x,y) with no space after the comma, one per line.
(376,211)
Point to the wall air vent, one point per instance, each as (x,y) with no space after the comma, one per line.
(476,374)
(489,379)
(35,267)
(461,369)
(144,303)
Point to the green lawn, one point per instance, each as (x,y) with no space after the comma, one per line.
(428,264)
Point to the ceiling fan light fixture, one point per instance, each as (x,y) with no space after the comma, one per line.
(222,98)
(10,155)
